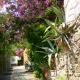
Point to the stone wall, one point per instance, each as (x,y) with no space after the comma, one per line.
(68,63)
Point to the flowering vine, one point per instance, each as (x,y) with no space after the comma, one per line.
(26,8)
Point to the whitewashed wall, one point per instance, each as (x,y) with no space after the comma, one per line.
(72,9)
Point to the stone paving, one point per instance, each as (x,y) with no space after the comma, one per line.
(18,73)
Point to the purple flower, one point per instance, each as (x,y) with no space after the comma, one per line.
(30,1)
(47,2)
(17,14)
(20,2)
(33,13)
(28,9)
(19,51)
(36,2)
(30,5)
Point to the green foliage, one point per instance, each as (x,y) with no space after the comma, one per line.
(38,72)
(2,19)
(35,36)
(56,14)
(39,34)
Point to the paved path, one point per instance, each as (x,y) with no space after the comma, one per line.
(18,73)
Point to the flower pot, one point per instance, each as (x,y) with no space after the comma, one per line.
(45,72)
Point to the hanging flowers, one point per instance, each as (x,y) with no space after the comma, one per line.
(19,52)
(28,9)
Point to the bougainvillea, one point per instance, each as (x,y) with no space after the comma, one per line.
(26,8)
(19,52)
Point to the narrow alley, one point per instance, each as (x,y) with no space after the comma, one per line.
(17,73)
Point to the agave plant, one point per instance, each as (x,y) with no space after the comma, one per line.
(59,33)
(38,36)
(61,37)
(48,51)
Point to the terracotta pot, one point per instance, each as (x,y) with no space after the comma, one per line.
(46,73)
(53,63)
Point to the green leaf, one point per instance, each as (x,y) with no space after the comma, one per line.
(47,29)
(53,25)
(48,50)
(51,45)
(49,59)
(58,12)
